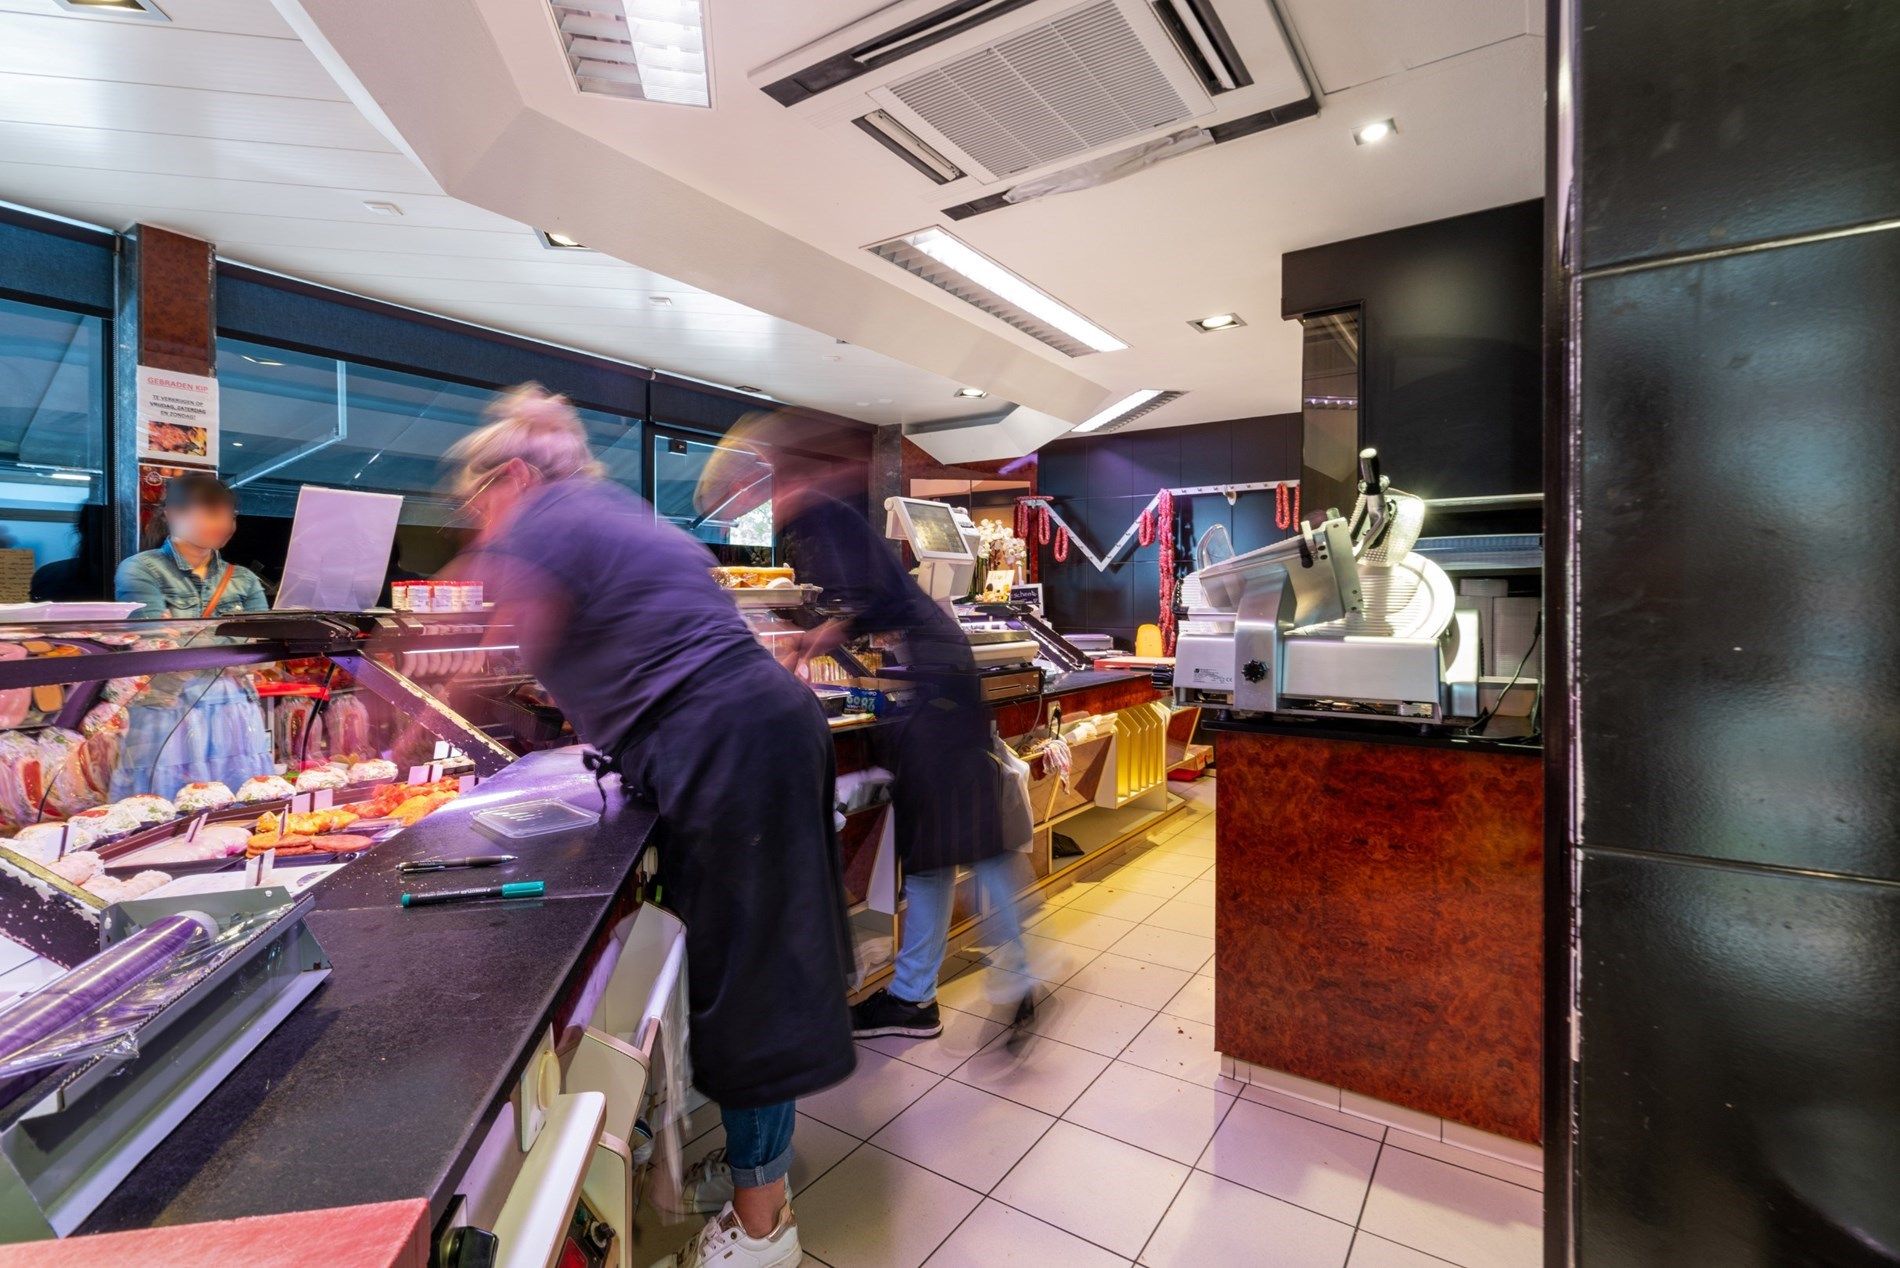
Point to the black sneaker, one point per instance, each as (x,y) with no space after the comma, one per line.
(885,1014)
(1019,1025)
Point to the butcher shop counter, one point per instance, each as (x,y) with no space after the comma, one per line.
(382,1085)
(1379,921)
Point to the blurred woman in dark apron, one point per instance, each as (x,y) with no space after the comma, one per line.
(619,618)
(947,781)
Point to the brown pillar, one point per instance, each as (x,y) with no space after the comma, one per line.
(167,320)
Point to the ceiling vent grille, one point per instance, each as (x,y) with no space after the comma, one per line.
(1142,410)
(1048,92)
(644,50)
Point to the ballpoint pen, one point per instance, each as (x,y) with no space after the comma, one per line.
(443,865)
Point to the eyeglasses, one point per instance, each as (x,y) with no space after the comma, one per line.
(467,504)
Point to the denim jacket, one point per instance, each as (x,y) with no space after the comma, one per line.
(160,580)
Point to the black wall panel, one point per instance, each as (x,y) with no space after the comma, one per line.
(1714,123)
(1741,1092)
(1451,345)
(1100,483)
(1727,458)
(1741,661)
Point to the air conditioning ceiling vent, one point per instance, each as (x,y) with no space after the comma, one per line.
(1047,92)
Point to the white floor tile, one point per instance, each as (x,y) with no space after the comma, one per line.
(1330,1116)
(1052,961)
(1206,970)
(1194,1001)
(995,1236)
(1214,1222)
(874,1210)
(1130,980)
(1320,1168)
(879,1090)
(1376,1252)
(1469,1159)
(1151,1111)
(989,993)
(1184,917)
(1110,899)
(1084,928)
(1094,1022)
(1099,1189)
(1145,880)
(1181,1049)
(1189,867)
(1194,845)
(964,1133)
(1044,1075)
(964,1035)
(1171,947)
(1200,892)
(1472,1220)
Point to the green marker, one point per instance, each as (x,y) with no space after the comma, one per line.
(513,889)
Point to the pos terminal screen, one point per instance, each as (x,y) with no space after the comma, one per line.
(934,530)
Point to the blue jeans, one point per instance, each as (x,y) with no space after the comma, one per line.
(759,1143)
(927,902)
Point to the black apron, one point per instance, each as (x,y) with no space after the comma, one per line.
(740,770)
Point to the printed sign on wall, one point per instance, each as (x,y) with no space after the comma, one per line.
(178,418)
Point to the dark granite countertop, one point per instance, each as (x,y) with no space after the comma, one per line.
(1084,679)
(381,1085)
(1503,735)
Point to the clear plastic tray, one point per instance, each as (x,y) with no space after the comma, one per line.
(532,819)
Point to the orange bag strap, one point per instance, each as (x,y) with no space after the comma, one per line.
(217,594)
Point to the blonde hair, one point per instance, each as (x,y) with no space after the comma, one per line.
(530,423)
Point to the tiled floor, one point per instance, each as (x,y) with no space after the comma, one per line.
(1113,1138)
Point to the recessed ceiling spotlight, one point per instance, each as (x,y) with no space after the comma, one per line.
(974,393)
(1219,321)
(259,360)
(382,208)
(1376,131)
(558,241)
(747,387)
(118,8)
(660,301)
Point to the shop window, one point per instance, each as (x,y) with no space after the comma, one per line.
(292,419)
(53,525)
(738,524)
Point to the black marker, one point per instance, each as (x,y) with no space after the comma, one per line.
(443,865)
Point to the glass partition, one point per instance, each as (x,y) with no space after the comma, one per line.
(52,454)
(739,526)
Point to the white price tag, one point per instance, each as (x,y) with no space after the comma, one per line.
(196,825)
(260,868)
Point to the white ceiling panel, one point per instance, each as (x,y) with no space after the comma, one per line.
(138,108)
(229,17)
(159,53)
(1353,42)
(102,150)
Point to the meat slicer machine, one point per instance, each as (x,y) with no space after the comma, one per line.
(1344,619)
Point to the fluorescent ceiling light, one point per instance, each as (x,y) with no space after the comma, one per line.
(647,50)
(559,241)
(974,393)
(80,476)
(1219,321)
(1126,405)
(1376,131)
(960,257)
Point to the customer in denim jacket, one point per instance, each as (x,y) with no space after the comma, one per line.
(192,726)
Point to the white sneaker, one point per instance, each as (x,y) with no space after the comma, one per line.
(707,1186)
(723,1243)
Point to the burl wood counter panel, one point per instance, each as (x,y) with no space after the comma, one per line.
(1379,922)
